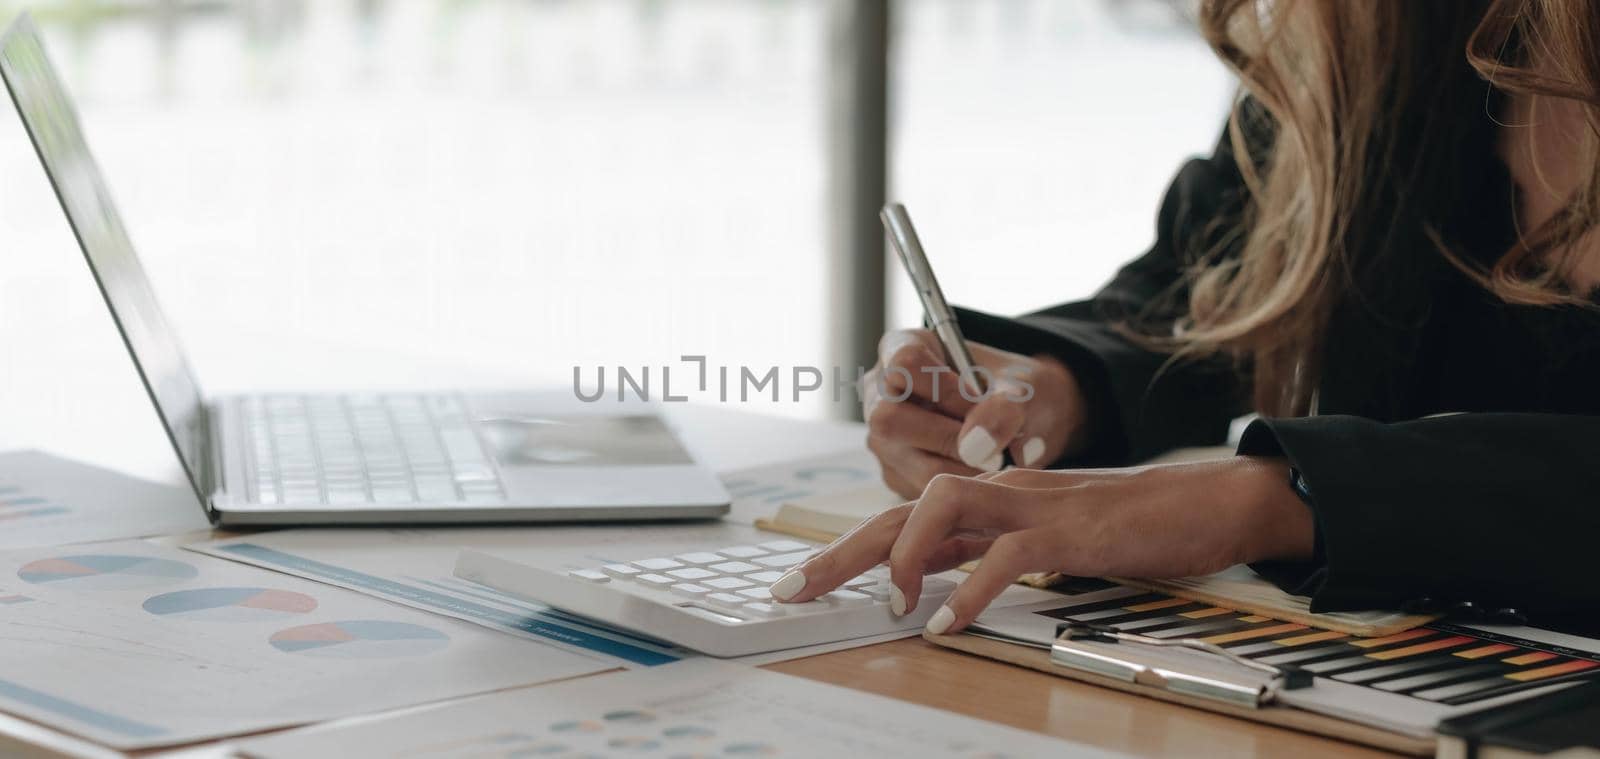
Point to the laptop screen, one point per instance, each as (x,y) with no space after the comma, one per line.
(53,126)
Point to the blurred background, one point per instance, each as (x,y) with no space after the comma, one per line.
(409,193)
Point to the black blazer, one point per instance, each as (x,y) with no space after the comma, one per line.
(1496,503)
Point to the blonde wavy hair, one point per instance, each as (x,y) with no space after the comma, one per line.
(1341,83)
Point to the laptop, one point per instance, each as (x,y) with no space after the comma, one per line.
(359,458)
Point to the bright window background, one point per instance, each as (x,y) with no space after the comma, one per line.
(404,194)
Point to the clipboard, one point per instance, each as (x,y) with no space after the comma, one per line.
(1267,712)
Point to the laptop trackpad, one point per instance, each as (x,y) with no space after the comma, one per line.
(587,440)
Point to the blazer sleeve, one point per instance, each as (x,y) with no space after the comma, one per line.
(1495,509)
(1141,401)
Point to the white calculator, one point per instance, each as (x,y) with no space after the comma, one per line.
(714,601)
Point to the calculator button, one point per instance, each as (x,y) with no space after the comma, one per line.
(845,599)
(690,590)
(765,578)
(655,580)
(756,594)
(762,609)
(932,585)
(728,583)
(808,606)
(655,565)
(734,568)
(784,546)
(727,600)
(880,592)
(620,571)
(699,558)
(741,552)
(691,573)
(784,560)
(592,575)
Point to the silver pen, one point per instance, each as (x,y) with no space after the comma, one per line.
(936,312)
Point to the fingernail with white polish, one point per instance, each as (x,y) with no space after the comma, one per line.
(993,463)
(788,585)
(897,602)
(941,621)
(977,447)
(1032,451)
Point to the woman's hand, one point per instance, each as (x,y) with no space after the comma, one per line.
(1160,521)
(920,424)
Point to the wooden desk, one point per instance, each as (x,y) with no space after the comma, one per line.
(920,672)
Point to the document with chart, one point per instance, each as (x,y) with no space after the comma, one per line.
(697,707)
(136,645)
(47,500)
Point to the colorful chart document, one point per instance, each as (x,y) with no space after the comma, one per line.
(136,645)
(47,500)
(698,707)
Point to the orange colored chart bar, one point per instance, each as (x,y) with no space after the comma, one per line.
(1482,651)
(1565,668)
(1264,632)
(1421,648)
(1395,638)
(1316,637)
(1155,605)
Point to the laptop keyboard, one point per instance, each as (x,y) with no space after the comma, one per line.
(350,449)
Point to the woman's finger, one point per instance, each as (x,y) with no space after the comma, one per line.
(911,367)
(1009,557)
(989,428)
(916,426)
(844,559)
(949,504)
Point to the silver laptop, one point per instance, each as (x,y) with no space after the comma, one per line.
(428,457)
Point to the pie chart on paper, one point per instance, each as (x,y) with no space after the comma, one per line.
(106,572)
(230,604)
(360,639)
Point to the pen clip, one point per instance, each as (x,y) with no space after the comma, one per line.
(1063,652)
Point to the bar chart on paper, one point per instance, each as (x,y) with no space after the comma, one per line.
(1447,664)
(47,500)
(17,505)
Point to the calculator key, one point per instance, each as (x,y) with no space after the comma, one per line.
(699,558)
(741,552)
(734,568)
(592,575)
(655,565)
(784,546)
(620,571)
(692,573)
(728,583)
(756,594)
(807,607)
(727,600)
(762,609)
(690,590)
(655,580)
(933,585)
(879,592)
(784,560)
(844,599)
(765,578)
